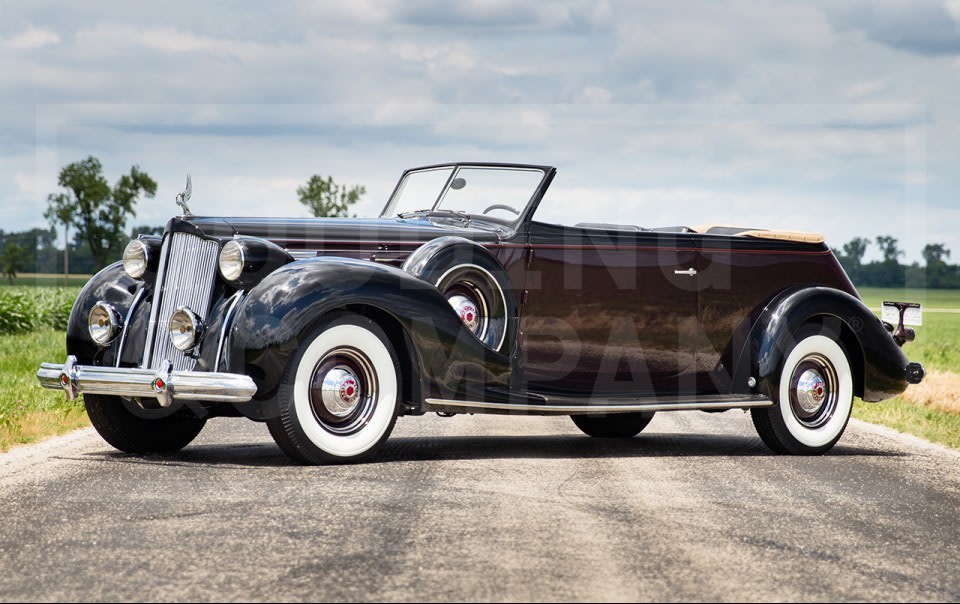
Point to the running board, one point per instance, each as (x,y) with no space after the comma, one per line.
(663,403)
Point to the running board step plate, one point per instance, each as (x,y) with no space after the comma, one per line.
(586,407)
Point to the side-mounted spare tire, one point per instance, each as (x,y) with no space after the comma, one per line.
(475,284)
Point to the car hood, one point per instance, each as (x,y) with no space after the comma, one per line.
(309,234)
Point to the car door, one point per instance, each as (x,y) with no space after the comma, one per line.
(609,311)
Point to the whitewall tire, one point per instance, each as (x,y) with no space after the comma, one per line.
(814,397)
(340,395)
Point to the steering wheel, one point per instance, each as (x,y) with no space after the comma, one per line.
(501,206)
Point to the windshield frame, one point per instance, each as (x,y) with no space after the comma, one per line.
(526,211)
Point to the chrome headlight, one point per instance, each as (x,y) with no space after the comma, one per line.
(185,329)
(231,261)
(135,258)
(103,323)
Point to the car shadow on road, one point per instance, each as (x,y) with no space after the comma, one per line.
(582,447)
(444,448)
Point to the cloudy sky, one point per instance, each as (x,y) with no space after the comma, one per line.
(839,117)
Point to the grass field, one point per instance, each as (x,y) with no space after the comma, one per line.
(938,340)
(45,280)
(24,308)
(33,315)
(28,412)
(930,410)
(932,424)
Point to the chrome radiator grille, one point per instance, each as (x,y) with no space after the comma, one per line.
(187,276)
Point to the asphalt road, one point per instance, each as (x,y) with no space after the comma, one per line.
(486,508)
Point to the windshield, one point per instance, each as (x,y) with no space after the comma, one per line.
(498,193)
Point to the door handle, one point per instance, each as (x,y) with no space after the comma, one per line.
(689,272)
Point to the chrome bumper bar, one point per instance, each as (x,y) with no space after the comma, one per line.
(164,385)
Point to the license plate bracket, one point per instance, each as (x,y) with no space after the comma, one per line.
(906,313)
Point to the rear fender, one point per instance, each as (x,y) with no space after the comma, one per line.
(881,363)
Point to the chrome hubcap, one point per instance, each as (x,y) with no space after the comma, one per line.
(477,298)
(467,311)
(343,390)
(811,390)
(814,391)
(340,391)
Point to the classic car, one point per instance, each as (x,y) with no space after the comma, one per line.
(457,300)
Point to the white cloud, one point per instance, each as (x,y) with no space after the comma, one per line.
(31,38)
(367,12)
(858,90)
(28,183)
(441,62)
(109,38)
(953,9)
(594,94)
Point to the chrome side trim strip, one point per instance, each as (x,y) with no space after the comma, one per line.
(226,326)
(126,321)
(302,254)
(659,404)
(205,386)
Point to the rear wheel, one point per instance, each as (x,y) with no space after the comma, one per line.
(618,425)
(340,395)
(141,431)
(814,399)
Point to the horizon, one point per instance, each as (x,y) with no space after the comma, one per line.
(840,120)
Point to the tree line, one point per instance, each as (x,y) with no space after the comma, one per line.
(934,273)
(38,251)
(96,214)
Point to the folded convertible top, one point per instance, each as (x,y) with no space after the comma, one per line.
(739,231)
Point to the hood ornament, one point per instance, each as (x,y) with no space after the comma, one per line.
(184,197)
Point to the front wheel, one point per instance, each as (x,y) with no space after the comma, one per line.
(815,397)
(340,395)
(141,431)
(617,425)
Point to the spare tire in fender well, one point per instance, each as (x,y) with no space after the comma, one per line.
(466,271)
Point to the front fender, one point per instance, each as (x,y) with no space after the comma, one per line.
(114,286)
(883,363)
(278,313)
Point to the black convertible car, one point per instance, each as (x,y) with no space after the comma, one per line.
(456,300)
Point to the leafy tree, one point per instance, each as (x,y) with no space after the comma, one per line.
(37,245)
(937,271)
(851,258)
(61,209)
(935,254)
(324,197)
(889,248)
(11,260)
(855,249)
(98,212)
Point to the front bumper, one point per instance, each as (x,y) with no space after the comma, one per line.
(164,385)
